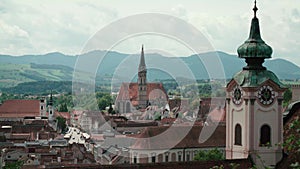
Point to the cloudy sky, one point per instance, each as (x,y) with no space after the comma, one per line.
(39,27)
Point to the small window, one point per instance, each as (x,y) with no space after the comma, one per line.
(167,158)
(42,107)
(179,157)
(134,160)
(188,157)
(265,135)
(50,112)
(238,135)
(153,159)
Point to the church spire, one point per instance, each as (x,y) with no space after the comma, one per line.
(142,82)
(254,49)
(142,65)
(51,99)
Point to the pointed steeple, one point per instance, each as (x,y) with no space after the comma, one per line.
(142,82)
(254,46)
(51,99)
(142,66)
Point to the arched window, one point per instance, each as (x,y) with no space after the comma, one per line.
(265,135)
(128,109)
(238,135)
(173,157)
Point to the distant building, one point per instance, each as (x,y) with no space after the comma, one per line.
(296,92)
(27,111)
(139,95)
(163,143)
(18,110)
(210,104)
(91,121)
(178,104)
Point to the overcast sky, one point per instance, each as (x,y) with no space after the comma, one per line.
(39,27)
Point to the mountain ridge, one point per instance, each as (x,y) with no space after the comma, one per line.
(57,66)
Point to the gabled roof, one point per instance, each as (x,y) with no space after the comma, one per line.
(20,108)
(129,91)
(149,139)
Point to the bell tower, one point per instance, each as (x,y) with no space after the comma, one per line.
(254,123)
(51,108)
(43,107)
(142,82)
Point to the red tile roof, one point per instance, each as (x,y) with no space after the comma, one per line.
(129,91)
(162,137)
(65,115)
(20,108)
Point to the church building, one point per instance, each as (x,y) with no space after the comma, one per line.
(140,95)
(254,124)
(20,110)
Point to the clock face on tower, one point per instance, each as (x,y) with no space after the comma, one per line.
(266,95)
(237,95)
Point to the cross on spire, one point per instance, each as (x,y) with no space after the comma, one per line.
(255,9)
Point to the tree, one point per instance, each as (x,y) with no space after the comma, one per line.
(63,108)
(157,116)
(287,97)
(110,110)
(14,165)
(104,101)
(291,142)
(61,124)
(213,154)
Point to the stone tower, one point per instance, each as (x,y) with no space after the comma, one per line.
(254,123)
(51,108)
(142,82)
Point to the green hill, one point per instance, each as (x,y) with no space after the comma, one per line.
(123,67)
(14,74)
